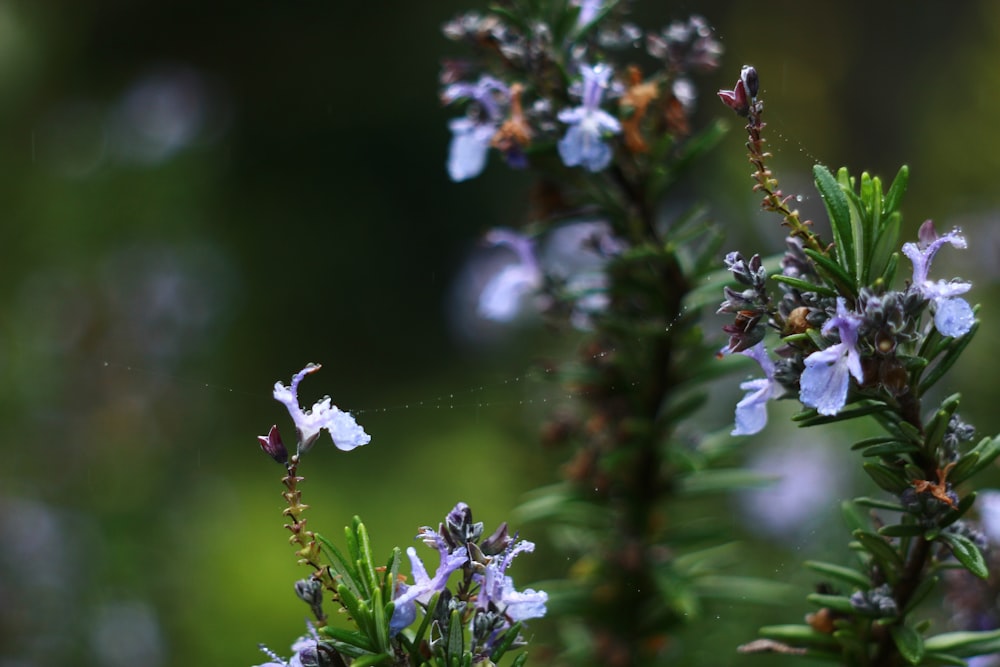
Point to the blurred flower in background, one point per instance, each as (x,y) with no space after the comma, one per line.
(810,479)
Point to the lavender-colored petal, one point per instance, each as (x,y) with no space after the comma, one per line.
(522,605)
(582,145)
(424,586)
(953,317)
(403,613)
(588,10)
(470,143)
(823,384)
(501,297)
(344,430)
(751,412)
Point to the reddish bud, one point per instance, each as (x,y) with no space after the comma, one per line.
(743,93)
(273,446)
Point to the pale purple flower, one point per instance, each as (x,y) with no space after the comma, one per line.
(988,502)
(808,481)
(497,588)
(346,432)
(824,382)
(501,297)
(424,586)
(583,144)
(751,412)
(471,136)
(307,645)
(953,316)
(588,10)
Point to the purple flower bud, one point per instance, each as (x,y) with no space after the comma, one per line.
(744,93)
(273,446)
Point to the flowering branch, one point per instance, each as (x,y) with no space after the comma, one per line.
(851,346)
(482,619)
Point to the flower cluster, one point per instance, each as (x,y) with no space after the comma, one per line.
(551,83)
(485,611)
(853,344)
(565,271)
(826,340)
(485,597)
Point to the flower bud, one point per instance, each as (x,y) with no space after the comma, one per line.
(273,446)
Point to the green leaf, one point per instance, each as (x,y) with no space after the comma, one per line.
(891,449)
(744,589)
(885,244)
(967,553)
(852,517)
(964,644)
(954,351)
(506,641)
(878,440)
(901,530)
(359,642)
(896,191)
(860,408)
(964,468)
(987,451)
(797,634)
(878,503)
(340,565)
(839,212)
(366,559)
(887,478)
(964,505)
(840,603)
(889,272)
(845,574)
(909,642)
(371,660)
(722,480)
(937,426)
(804,285)
(923,589)
(456,643)
(882,551)
(833,271)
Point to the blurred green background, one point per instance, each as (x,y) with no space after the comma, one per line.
(199,198)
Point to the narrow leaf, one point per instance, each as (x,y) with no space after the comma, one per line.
(833,271)
(797,634)
(890,480)
(840,603)
(880,549)
(840,217)
(804,285)
(964,644)
(909,642)
(901,530)
(896,191)
(967,553)
(926,585)
(878,503)
(846,574)
(948,360)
